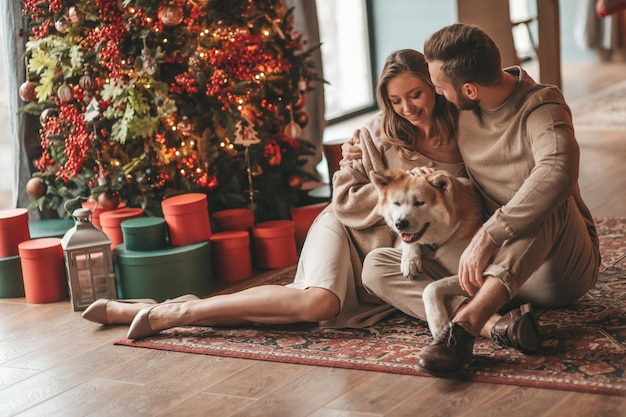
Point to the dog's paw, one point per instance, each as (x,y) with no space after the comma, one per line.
(411,266)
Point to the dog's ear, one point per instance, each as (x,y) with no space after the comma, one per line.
(380,179)
(386,177)
(440,180)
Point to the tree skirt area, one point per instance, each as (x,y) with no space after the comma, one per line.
(583,346)
(604,110)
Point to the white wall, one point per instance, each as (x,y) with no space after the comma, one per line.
(6,157)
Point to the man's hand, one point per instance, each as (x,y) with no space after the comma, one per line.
(474,260)
(351,150)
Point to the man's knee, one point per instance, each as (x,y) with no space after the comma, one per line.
(373,272)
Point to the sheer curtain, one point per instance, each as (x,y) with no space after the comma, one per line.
(20,126)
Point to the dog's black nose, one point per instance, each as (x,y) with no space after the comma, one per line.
(402,224)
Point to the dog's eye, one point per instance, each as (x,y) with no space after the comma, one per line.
(418,203)
(396,203)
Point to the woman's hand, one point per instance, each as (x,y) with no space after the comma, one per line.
(351,150)
(421,171)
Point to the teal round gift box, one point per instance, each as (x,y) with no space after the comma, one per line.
(11,281)
(144,233)
(165,273)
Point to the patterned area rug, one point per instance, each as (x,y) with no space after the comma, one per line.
(583,348)
(604,110)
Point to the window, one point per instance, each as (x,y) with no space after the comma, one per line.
(346,57)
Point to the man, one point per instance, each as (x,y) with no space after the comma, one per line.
(539,244)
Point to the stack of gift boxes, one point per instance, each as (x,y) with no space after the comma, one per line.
(153,257)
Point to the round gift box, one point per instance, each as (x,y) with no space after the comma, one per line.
(234,219)
(230,256)
(163,274)
(187,218)
(275,244)
(303,218)
(111,222)
(49,228)
(144,233)
(97,210)
(13,231)
(11,282)
(43,270)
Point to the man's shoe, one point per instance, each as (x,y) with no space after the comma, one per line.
(449,353)
(518,329)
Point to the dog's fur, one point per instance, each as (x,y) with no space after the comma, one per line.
(438,210)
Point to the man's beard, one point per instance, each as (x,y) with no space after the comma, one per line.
(464,103)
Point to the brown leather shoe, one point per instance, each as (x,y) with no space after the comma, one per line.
(449,353)
(518,329)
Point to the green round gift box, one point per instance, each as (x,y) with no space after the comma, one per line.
(165,273)
(11,281)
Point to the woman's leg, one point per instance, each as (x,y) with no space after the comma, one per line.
(270,304)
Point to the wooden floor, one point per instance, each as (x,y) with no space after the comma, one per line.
(54,363)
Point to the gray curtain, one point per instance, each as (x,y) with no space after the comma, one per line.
(13,46)
(305,22)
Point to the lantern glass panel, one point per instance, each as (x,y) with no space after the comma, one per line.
(93,280)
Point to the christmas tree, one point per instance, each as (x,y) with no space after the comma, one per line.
(141,99)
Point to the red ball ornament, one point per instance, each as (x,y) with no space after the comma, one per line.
(302,118)
(27,91)
(171,15)
(35,187)
(295,182)
(300,103)
(109,199)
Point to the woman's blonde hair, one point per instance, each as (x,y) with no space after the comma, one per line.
(395,129)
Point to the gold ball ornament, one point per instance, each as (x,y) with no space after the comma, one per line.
(27,91)
(293,130)
(35,187)
(109,199)
(46,114)
(65,93)
(302,85)
(171,15)
(75,15)
(63,25)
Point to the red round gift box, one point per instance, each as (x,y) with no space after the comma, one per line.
(43,270)
(303,218)
(230,256)
(13,230)
(112,222)
(187,218)
(234,219)
(275,244)
(97,210)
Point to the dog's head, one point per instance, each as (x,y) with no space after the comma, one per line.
(419,208)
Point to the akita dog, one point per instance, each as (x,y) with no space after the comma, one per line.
(438,210)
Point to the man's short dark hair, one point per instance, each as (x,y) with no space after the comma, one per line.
(468,54)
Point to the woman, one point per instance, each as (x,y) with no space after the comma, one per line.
(415,128)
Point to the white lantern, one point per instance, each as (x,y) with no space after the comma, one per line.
(88,261)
